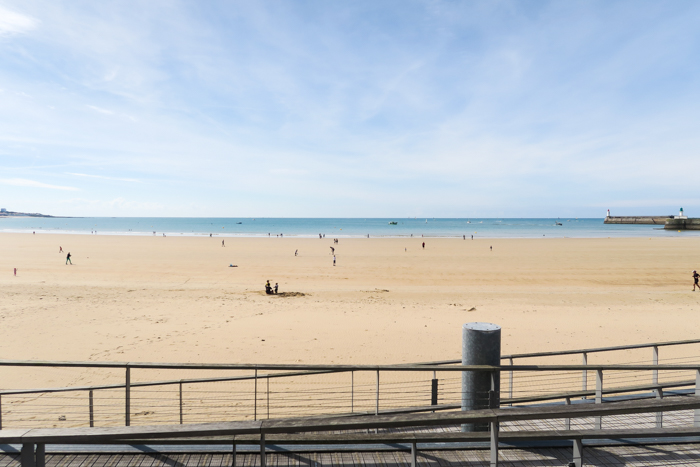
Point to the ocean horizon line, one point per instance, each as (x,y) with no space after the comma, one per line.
(464,227)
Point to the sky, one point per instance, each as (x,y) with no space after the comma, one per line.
(350,108)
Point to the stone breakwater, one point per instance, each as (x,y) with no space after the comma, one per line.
(683,224)
(652,220)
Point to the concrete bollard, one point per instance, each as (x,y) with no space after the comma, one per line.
(481,345)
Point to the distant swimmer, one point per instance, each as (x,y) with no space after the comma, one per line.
(68,259)
(696,276)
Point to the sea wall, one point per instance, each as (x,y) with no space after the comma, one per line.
(653,220)
(682,224)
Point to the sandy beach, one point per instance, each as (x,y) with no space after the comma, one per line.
(387,300)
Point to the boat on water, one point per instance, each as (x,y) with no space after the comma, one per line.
(393,223)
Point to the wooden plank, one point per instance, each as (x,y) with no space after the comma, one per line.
(9,460)
(111,461)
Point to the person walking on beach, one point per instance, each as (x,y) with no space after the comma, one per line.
(424,245)
(60,249)
(15,272)
(295,252)
(696,276)
(68,259)
(332,250)
(333,260)
(222,243)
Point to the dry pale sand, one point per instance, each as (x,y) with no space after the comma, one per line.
(175,299)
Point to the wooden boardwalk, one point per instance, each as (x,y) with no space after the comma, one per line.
(648,455)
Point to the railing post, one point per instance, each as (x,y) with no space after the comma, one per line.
(510,381)
(376,409)
(181,415)
(352,392)
(27,455)
(127,398)
(494,443)
(655,361)
(0,412)
(434,389)
(598,396)
(584,375)
(233,452)
(91,409)
(268,398)
(567,421)
(263,461)
(255,397)
(414,455)
(492,392)
(696,418)
(659,415)
(40,458)
(578,453)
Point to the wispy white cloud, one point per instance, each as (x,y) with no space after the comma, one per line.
(103,177)
(12,22)
(23,182)
(100,110)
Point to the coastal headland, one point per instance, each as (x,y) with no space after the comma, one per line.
(388,300)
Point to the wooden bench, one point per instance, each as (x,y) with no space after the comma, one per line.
(269,431)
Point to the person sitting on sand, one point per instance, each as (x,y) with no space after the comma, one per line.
(268,288)
(696,276)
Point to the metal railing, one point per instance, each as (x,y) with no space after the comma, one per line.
(347,389)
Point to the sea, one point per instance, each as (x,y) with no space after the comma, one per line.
(334,228)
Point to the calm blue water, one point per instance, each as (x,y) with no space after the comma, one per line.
(303,227)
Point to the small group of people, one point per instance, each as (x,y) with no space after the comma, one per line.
(269,289)
(335,240)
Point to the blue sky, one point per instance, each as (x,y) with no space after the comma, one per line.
(349,109)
